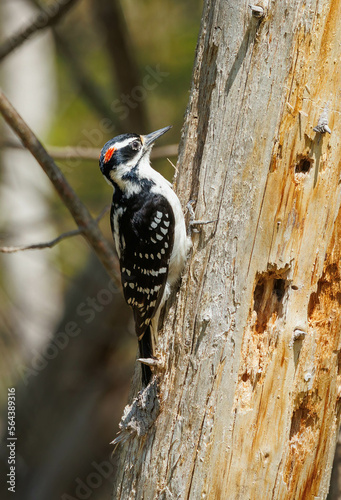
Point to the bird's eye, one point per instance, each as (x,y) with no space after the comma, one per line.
(135,145)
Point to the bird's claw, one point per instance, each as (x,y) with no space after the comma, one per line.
(149,361)
(193,222)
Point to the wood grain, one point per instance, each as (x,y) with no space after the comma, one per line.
(249,412)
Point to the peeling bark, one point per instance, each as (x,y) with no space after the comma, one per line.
(251,347)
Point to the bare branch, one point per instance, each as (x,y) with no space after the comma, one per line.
(92,154)
(39,246)
(46,17)
(52,243)
(87,225)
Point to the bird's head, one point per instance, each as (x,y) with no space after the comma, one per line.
(123,153)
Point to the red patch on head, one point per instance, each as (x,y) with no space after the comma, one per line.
(109,154)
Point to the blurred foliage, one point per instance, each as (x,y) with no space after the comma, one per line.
(163,38)
(163,35)
(88,381)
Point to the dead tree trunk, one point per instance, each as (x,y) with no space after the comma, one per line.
(250,391)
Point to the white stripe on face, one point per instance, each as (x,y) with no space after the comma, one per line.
(123,144)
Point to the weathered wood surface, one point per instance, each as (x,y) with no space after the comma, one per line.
(248,411)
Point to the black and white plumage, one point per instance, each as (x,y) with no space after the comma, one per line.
(149,231)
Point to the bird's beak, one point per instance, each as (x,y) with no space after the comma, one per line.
(151,138)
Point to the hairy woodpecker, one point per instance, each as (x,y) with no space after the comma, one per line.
(149,231)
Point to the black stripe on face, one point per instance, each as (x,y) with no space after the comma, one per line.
(126,154)
(120,155)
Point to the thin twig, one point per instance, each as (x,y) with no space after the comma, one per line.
(46,17)
(87,225)
(174,166)
(92,154)
(39,246)
(52,243)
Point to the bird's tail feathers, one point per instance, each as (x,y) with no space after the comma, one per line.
(146,351)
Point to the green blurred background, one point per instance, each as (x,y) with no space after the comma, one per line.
(66,336)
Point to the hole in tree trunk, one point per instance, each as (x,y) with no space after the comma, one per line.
(268,297)
(303,166)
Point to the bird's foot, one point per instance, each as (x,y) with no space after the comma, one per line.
(149,361)
(193,222)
